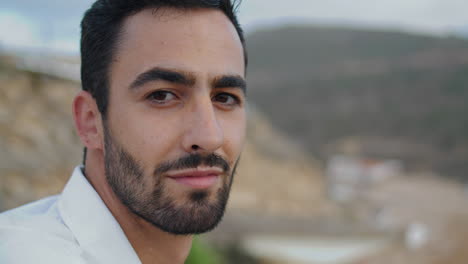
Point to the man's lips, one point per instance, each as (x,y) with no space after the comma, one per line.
(200,178)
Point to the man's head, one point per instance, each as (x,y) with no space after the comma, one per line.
(163,106)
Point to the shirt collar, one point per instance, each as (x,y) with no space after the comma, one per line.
(94,227)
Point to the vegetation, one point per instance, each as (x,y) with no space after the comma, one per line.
(202,254)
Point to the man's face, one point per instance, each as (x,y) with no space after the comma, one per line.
(176,120)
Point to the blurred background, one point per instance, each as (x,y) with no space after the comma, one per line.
(357,145)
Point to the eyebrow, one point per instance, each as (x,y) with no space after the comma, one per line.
(185,78)
(161,74)
(230,81)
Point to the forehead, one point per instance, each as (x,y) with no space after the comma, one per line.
(199,40)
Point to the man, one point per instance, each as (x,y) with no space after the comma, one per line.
(162,116)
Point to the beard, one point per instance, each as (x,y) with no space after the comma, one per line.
(198,213)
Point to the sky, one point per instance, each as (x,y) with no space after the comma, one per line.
(54,25)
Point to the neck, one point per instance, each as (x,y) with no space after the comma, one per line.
(151,244)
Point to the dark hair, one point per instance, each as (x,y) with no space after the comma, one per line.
(102,25)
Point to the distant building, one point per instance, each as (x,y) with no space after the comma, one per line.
(349,177)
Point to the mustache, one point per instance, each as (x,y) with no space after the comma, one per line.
(192,161)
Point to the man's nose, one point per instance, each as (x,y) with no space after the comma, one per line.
(203,131)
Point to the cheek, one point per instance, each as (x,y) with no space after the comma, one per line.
(149,137)
(234,135)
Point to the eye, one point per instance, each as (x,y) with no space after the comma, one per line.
(226,99)
(161,97)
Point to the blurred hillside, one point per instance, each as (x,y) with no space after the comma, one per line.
(38,144)
(376,94)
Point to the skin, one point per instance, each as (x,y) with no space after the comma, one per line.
(154,126)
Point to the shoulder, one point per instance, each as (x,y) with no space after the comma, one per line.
(41,216)
(25,247)
(35,233)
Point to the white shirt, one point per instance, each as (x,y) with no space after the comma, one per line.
(74,227)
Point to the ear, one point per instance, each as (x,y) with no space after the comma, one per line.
(88,121)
